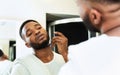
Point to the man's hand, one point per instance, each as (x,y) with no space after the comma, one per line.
(62,44)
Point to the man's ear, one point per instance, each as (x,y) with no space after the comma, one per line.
(95,16)
(28,45)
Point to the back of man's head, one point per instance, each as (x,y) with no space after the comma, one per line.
(1,53)
(105,1)
(104,15)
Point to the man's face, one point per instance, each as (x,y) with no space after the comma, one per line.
(35,35)
(84,12)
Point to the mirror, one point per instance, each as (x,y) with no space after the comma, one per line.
(8,37)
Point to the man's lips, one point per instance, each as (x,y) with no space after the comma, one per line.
(39,37)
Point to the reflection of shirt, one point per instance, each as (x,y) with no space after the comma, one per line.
(5,67)
(31,65)
(97,56)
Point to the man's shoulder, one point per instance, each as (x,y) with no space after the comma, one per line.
(24,59)
(94,42)
(90,41)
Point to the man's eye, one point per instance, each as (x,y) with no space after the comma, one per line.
(29,34)
(39,27)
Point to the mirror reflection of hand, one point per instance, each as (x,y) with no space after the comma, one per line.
(62,43)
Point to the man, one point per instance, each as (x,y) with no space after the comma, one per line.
(99,55)
(5,64)
(44,61)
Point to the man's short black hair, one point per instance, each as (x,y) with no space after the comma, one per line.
(23,24)
(1,53)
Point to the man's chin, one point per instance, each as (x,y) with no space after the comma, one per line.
(40,45)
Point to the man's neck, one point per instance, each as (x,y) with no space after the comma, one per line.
(114,31)
(111,27)
(45,54)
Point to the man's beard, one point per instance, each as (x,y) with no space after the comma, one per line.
(37,46)
(89,25)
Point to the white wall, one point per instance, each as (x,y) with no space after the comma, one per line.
(20,10)
(35,9)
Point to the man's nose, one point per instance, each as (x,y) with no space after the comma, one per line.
(37,32)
